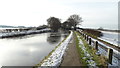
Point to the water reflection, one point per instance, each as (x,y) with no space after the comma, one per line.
(28,50)
(54,37)
(66,33)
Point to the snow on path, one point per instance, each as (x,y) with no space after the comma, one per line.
(56,57)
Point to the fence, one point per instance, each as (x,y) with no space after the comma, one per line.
(94,43)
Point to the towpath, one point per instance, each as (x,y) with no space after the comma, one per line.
(71,56)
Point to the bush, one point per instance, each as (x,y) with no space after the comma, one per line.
(93,32)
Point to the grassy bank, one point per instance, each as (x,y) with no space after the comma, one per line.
(98,60)
(93,32)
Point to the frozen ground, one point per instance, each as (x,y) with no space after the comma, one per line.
(111,37)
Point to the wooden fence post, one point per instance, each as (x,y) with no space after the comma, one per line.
(96,45)
(110,53)
(87,38)
(90,41)
(84,36)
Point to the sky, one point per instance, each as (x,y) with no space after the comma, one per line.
(95,13)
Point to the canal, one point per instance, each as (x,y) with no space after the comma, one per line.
(27,50)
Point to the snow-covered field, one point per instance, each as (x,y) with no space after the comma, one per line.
(111,37)
(56,57)
(22,32)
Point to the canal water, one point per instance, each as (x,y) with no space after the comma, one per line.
(27,50)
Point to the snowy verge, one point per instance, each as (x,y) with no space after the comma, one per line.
(90,61)
(56,57)
(116,55)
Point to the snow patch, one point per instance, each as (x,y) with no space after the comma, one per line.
(90,61)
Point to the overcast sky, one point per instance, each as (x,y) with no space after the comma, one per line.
(95,13)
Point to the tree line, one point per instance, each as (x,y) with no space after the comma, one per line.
(71,23)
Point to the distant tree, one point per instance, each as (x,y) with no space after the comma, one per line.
(54,23)
(41,27)
(74,20)
(66,24)
(100,28)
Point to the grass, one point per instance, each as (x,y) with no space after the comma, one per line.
(99,59)
(80,52)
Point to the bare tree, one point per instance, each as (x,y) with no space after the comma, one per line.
(75,20)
